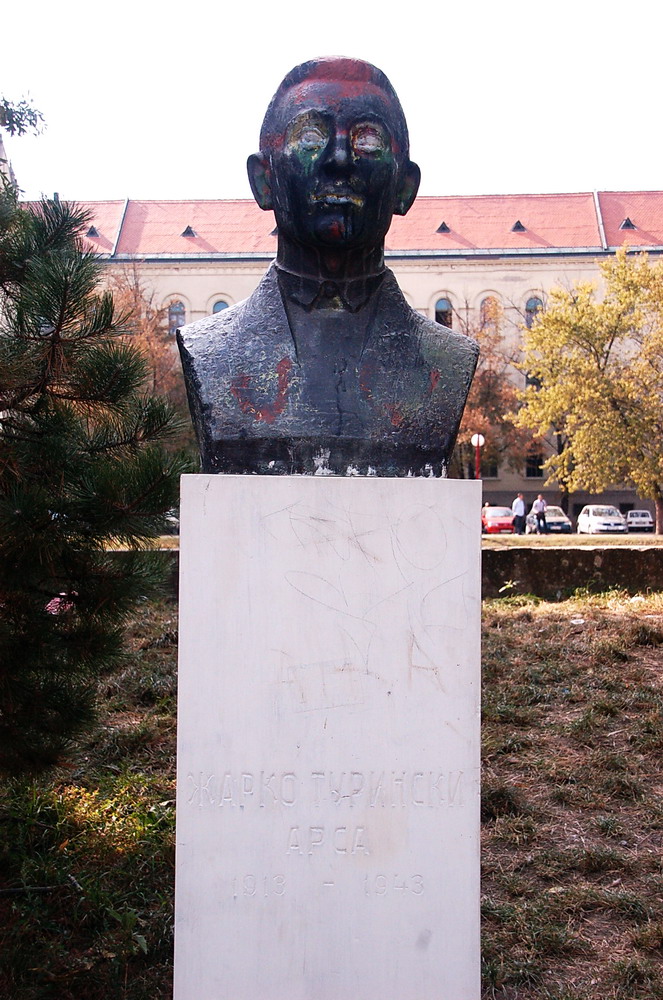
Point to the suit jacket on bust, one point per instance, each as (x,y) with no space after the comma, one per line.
(391,407)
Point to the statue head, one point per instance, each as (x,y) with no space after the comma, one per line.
(334,156)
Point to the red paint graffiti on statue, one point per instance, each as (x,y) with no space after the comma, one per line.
(241,388)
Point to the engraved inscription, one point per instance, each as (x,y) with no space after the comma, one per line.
(281,788)
(253,885)
(339,840)
(388,789)
(380,885)
(201,793)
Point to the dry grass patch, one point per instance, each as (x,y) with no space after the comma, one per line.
(573,824)
(87,855)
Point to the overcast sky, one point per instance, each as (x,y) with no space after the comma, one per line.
(162,100)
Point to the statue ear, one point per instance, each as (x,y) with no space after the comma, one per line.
(259,179)
(409,186)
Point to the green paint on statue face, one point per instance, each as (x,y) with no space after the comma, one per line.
(336,164)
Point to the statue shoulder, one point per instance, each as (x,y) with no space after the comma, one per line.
(456,348)
(242,322)
(195,335)
(439,345)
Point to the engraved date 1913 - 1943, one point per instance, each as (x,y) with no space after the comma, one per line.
(265,886)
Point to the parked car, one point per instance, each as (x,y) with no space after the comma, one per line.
(556,521)
(497,520)
(600,518)
(639,520)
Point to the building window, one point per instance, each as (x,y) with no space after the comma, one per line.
(534,465)
(219,306)
(443,312)
(176,317)
(489,313)
(532,307)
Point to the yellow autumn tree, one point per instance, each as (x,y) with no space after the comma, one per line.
(596,364)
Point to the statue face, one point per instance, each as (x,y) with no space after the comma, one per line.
(335,169)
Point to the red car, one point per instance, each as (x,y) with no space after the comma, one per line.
(497,520)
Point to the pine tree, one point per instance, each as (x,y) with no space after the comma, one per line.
(81,466)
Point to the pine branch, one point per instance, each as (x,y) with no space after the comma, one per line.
(79,465)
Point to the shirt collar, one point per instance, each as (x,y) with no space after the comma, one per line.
(310,293)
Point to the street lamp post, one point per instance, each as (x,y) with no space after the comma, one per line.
(478,441)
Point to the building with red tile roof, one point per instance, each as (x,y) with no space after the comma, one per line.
(451,255)
(530,225)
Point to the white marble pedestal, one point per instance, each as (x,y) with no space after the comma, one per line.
(328,753)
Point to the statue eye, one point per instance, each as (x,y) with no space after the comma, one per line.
(368,139)
(312,138)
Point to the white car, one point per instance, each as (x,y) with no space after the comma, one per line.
(595,519)
(639,520)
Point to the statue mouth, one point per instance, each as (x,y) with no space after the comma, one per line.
(333,198)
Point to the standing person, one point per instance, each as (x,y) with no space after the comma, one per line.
(518,508)
(539,508)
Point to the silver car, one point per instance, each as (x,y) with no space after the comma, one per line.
(556,521)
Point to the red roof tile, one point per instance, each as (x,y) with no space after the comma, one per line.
(485,222)
(156,227)
(106,218)
(643,208)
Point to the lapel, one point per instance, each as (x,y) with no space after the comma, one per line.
(264,320)
(261,366)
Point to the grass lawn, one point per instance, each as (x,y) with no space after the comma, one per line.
(572,818)
(528,541)
(517,541)
(572,540)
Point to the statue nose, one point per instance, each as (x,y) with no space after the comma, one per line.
(338,156)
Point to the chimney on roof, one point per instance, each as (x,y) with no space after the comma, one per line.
(627,224)
(443,228)
(188,232)
(92,231)
(518,227)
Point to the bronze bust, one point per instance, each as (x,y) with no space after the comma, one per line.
(325,367)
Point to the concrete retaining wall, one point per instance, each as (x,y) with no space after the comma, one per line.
(555,572)
(552,572)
